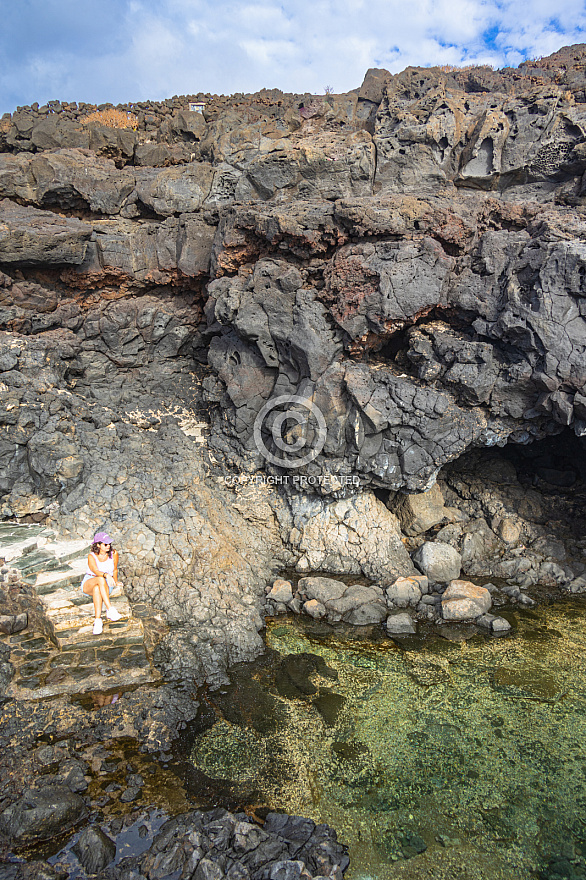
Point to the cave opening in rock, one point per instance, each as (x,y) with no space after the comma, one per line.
(530,495)
(555,463)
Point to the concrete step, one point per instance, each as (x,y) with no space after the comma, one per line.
(68,577)
(68,616)
(114,635)
(16,539)
(68,550)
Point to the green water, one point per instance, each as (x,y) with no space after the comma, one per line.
(473,749)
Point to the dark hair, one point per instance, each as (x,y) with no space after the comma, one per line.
(96,548)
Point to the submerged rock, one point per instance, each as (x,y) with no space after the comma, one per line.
(496,625)
(94,849)
(293,675)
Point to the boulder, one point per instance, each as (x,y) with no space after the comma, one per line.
(421,511)
(578,585)
(358,605)
(159,155)
(178,190)
(361,606)
(52,133)
(94,849)
(479,542)
(373,84)
(189,123)
(42,814)
(497,625)
(400,624)
(70,178)
(281,591)
(314,609)
(509,531)
(30,237)
(463,600)
(439,562)
(404,592)
(321,588)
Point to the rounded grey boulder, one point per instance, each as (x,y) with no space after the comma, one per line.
(400,624)
(440,562)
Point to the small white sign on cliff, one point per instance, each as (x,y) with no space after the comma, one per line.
(197,107)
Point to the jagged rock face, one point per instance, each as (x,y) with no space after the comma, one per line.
(414,347)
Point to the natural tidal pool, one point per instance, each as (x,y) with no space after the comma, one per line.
(431,757)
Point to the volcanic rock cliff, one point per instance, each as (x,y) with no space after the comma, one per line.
(394,277)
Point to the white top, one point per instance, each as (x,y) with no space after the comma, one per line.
(106,566)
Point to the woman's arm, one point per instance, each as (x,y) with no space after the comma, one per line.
(115,558)
(92,565)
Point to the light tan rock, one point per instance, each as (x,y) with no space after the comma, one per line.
(404,592)
(420,512)
(356,535)
(314,609)
(463,600)
(509,531)
(281,591)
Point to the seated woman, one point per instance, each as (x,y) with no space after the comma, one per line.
(101,577)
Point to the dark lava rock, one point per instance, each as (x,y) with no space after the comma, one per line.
(13,623)
(292,677)
(130,794)
(329,706)
(94,849)
(29,871)
(43,814)
(412,845)
(218,844)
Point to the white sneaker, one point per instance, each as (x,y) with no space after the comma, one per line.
(113,614)
(98,626)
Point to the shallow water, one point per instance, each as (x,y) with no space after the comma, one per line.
(474,749)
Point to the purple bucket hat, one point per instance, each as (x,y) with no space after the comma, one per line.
(102,538)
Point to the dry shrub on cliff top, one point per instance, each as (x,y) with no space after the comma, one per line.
(453,68)
(112,119)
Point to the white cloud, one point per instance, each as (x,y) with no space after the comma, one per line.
(185,46)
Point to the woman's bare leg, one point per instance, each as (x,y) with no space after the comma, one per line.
(98,589)
(105,594)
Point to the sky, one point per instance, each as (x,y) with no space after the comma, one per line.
(132,50)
